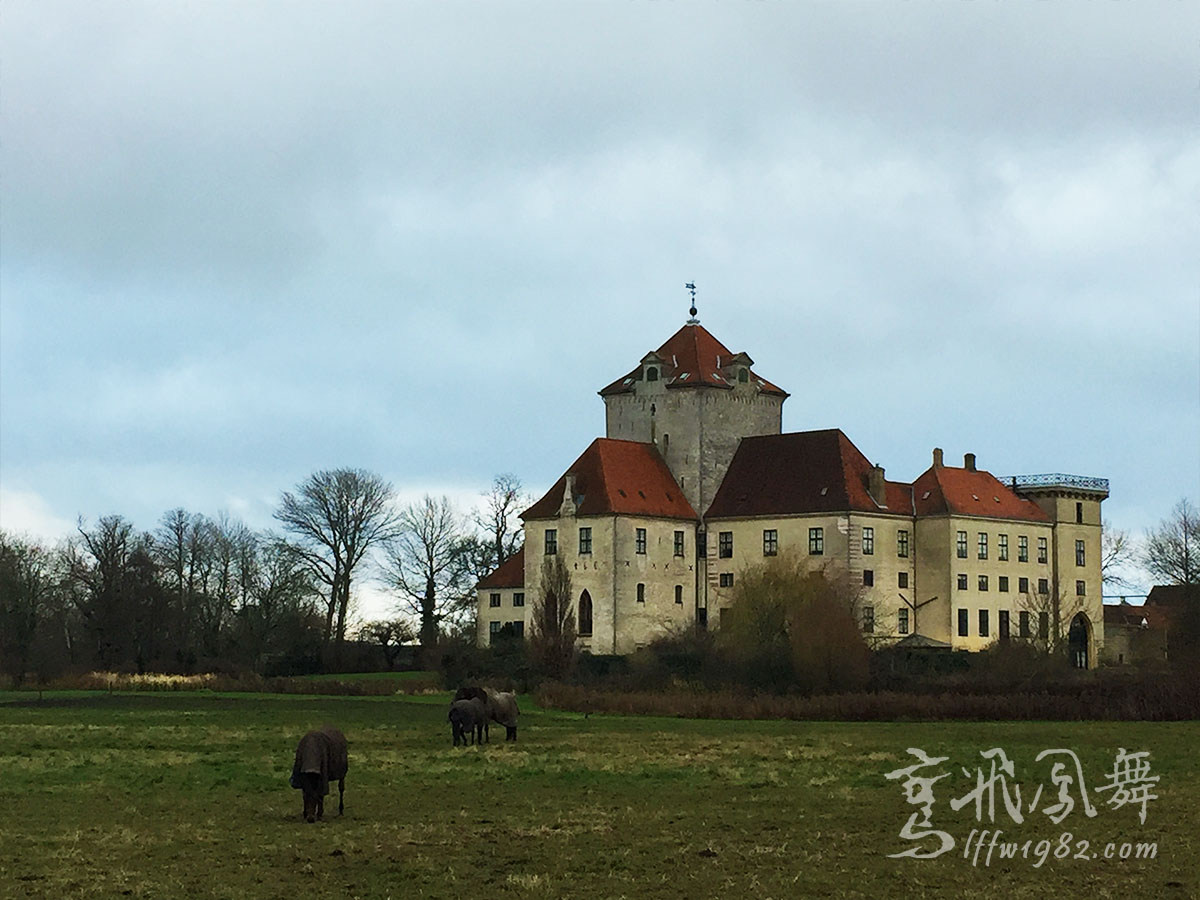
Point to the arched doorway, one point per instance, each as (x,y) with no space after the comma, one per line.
(585,614)
(1078,640)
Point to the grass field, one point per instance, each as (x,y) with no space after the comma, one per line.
(181,795)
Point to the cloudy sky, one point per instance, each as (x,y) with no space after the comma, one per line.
(245,241)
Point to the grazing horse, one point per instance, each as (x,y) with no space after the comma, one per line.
(482,706)
(467,719)
(321,757)
(501,707)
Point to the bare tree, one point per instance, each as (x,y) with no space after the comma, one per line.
(1172,551)
(1056,612)
(552,629)
(336,517)
(1116,553)
(497,517)
(26,584)
(428,565)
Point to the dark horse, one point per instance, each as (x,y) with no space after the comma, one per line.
(321,757)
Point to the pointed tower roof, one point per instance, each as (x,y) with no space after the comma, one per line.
(693,358)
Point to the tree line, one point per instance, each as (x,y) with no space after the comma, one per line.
(199,592)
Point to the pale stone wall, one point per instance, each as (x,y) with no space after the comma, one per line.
(842,557)
(973,598)
(1067,509)
(612,571)
(503,614)
(696,430)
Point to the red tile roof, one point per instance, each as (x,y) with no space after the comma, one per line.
(1173,596)
(693,358)
(802,472)
(622,477)
(1124,614)
(510,573)
(945,490)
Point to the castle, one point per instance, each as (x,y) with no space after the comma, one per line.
(695,481)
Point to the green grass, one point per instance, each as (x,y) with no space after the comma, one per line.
(375,676)
(185,795)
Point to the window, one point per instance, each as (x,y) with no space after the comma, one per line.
(1079,513)
(868,577)
(963,623)
(585,613)
(983,545)
(1002,550)
(493,600)
(551,541)
(902,580)
(585,540)
(983,582)
(679,594)
(518,629)
(962,582)
(1002,585)
(962,545)
(640,541)
(1022,548)
(702,544)
(679,543)
(816,541)
(1042,554)
(902,544)
(493,631)
(869,619)
(902,621)
(1002,625)
(868,541)
(1080,554)
(1043,586)
(743,376)
(519,598)
(725,579)
(770,542)
(1044,625)
(725,545)
(983,623)
(641,593)
(652,374)
(1022,585)
(1080,589)
(1023,623)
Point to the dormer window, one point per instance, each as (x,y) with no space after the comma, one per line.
(743,375)
(652,373)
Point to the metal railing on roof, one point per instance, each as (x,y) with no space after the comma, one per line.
(1057,479)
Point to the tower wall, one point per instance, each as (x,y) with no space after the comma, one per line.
(696,430)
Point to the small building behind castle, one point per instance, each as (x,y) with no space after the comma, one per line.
(694,482)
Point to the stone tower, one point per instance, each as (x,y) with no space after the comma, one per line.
(694,399)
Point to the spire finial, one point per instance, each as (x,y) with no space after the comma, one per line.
(691,286)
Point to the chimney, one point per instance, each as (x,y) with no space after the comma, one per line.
(876,486)
(969,462)
(937,457)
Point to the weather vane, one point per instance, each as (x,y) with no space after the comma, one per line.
(691,286)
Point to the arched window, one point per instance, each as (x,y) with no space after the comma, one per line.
(1078,640)
(743,375)
(652,374)
(585,614)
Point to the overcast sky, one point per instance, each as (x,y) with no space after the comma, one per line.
(245,241)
